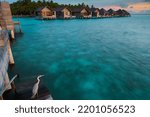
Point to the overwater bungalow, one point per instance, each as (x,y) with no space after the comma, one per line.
(126,13)
(119,12)
(111,12)
(122,13)
(63,12)
(45,13)
(95,12)
(81,12)
(103,13)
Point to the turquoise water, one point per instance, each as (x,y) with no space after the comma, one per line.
(86,59)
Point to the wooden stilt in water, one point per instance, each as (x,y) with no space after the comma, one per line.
(20,29)
(11,59)
(1,42)
(1,97)
(12,34)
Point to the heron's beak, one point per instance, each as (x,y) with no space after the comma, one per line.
(41,75)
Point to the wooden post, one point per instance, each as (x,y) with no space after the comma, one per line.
(12,34)
(20,29)
(55,14)
(1,42)
(1,97)
(11,59)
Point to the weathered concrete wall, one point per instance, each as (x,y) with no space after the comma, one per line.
(6,56)
(4,60)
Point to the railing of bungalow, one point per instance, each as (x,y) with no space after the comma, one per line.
(4,58)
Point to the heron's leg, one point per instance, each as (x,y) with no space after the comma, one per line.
(37,94)
(13,87)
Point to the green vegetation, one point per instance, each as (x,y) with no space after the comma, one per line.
(27,7)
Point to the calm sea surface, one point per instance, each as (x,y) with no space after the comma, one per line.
(86,59)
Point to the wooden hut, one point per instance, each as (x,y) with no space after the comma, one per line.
(95,12)
(81,12)
(45,13)
(63,12)
(120,13)
(103,13)
(111,12)
(126,13)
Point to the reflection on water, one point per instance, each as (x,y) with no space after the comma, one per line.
(87,59)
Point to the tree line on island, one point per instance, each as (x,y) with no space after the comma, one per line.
(27,7)
(30,8)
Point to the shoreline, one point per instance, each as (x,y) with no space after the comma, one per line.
(23,16)
(31,16)
(27,16)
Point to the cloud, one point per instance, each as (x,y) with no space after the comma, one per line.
(114,7)
(122,3)
(139,7)
(142,7)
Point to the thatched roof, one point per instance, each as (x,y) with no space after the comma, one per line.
(119,11)
(94,9)
(42,7)
(39,9)
(111,11)
(122,12)
(125,12)
(59,9)
(79,9)
(102,11)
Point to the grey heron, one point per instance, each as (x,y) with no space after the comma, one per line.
(36,87)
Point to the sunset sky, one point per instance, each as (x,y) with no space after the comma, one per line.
(135,6)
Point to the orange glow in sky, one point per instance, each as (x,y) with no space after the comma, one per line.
(114,7)
(138,7)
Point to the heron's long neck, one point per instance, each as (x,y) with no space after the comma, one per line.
(38,80)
